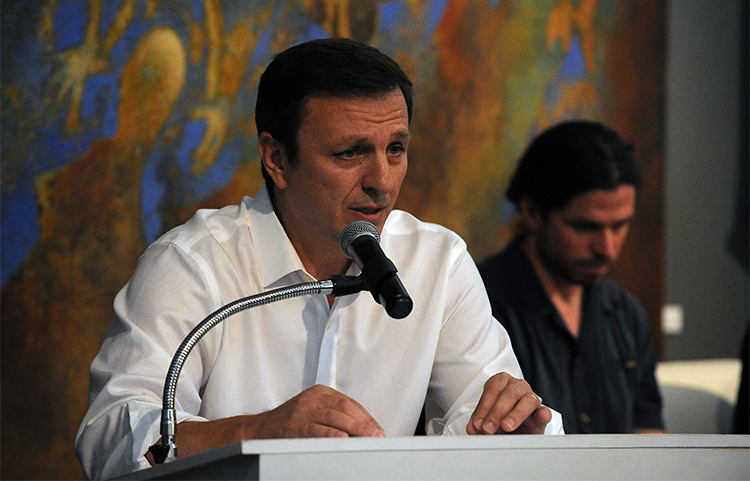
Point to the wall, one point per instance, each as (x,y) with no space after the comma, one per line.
(706,146)
(122,117)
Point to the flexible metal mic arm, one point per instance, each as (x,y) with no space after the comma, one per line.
(335,286)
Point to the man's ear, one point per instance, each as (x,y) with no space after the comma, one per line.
(531,215)
(273,156)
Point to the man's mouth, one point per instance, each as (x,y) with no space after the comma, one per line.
(598,267)
(369,210)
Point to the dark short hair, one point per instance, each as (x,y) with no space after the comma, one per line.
(570,159)
(332,67)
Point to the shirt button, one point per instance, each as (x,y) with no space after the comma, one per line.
(585,419)
(579,363)
(630,364)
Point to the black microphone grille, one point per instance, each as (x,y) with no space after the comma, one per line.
(354,230)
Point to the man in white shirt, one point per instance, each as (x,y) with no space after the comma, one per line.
(333,122)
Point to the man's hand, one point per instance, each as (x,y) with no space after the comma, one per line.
(316,412)
(508,405)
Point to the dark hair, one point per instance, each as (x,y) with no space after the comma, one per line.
(335,67)
(570,159)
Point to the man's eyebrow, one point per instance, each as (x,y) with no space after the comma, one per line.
(589,222)
(403,133)
(583,222)
(625,221)
(355,140)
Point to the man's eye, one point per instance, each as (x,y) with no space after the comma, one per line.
(586,227)
(396,149)
(620,226)
(348,154)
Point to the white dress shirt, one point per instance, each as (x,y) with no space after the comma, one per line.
(254,361)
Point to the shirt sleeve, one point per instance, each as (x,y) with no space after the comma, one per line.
(152,317)
(648,404)
(473,346)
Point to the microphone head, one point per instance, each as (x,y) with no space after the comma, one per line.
(352,231)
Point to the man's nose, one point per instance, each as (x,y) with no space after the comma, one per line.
(606,243)
(379,175)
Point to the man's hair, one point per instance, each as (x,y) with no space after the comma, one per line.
(334,67)
(570,159)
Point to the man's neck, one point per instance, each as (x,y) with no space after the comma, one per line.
(319,260)
(565,296)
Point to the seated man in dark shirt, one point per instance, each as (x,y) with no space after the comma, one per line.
(583,342)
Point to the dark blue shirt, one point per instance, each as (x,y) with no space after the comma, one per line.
(602,382)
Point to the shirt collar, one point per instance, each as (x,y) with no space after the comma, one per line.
(275,253)
(526,286)
(598,297)
(530,288)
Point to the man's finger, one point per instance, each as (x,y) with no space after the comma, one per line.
(490,395)
(344,413)
(524,411)
(353,422)
(512,406)
(537,422)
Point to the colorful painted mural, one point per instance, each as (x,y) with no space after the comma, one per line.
(120,118)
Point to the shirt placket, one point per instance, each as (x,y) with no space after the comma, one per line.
(327,359)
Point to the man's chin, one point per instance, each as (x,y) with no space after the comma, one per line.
(589,275)
(588,280)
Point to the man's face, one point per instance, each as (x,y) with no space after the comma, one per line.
(578,244)
(351,163)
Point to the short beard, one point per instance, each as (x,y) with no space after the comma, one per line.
(564,271)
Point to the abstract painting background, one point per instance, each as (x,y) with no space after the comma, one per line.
(120,118)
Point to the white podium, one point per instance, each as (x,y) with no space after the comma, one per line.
(571,457)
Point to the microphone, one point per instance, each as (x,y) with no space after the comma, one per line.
(360,241)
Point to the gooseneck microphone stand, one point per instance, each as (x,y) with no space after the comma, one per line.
(335,286)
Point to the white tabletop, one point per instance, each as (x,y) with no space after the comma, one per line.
(573,457)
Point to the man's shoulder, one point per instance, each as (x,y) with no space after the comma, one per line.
(401,223)
(505,266)
(217,224)
(498,260)
(413,242)
(513,287)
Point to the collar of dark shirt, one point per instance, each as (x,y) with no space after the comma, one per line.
(528,289)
